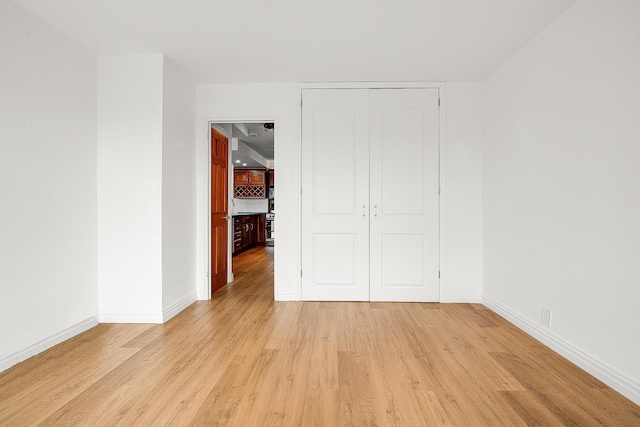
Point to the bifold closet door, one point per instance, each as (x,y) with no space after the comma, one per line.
(404,226)
(370,194)
(335,195)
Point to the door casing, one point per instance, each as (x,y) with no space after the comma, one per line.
(215,123)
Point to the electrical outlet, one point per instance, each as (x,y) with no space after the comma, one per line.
(546,316)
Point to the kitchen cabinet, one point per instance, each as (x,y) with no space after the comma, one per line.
(272,178)
(237,236)
(260,230)
(248,231)
(254,177)
(257,177)
(249,183)
(240,177)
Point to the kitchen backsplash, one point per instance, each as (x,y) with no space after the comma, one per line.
(250,205)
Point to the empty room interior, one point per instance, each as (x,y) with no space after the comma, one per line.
(457,187)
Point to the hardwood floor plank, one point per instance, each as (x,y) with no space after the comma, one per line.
(218,407)
(356,392)
(555,396)
(530,409)
(242,359)
(431,410)
(321,408)
(323,366)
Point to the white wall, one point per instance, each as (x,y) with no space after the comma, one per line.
(178,191)
(48,242)
(562,188)
(462,194)
(130,171)
(281,102)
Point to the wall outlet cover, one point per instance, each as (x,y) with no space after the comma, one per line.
(546,316)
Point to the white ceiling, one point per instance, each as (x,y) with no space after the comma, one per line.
(259,41)
(259,140)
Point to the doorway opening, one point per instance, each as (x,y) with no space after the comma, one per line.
(247,199)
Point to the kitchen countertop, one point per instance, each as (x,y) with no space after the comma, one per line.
(248,213)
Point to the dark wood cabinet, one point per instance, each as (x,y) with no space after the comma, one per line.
(239,236)
(254,177)
(260,230)
(257,177)
(248,231)
(249,183)
(272,178)
(240,177)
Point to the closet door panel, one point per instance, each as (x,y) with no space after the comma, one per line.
(335,195)
(334,161)
(404,229)
(401,166)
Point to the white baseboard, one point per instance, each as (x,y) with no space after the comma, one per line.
(285,296)
(47,343)
(178,306)
(462,298)
(123,316)
(618,381)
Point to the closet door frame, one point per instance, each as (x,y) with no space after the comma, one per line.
(441,156)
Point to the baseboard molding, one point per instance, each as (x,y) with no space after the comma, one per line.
(47,343)
(123,316)
(618,381)
(178,306)
(202,295)
(462,298)
(285,296)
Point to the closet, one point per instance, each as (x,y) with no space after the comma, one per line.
(370,194)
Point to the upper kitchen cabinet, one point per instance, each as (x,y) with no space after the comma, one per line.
(240,177)
(257,177)
(249,183)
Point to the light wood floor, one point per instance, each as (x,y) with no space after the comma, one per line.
(242,359)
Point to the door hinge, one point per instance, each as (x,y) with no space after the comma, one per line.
(301,191)
(439,190)
(300,273)
(301,102)
(438,274)
(438,102)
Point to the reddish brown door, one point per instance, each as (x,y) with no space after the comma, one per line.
(219,210)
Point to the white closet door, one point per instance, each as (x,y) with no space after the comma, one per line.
(335,195)
(404,195)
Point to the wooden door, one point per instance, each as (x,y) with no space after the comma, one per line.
(404,230)
(335,195)
(219,210)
